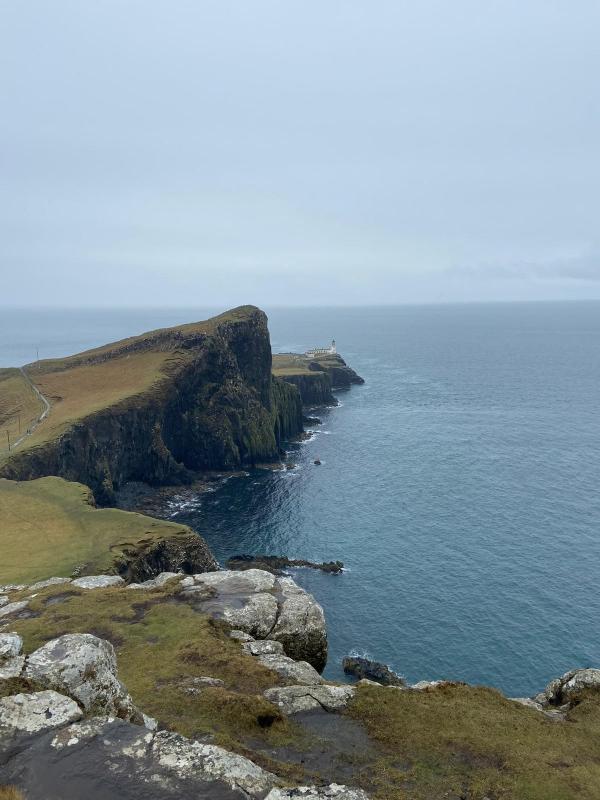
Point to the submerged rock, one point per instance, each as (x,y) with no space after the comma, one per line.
(85,668)
(276,564)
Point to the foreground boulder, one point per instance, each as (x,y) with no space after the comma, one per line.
(265,607)
(83,667)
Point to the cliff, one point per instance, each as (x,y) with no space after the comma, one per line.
(315,378)
(161,406)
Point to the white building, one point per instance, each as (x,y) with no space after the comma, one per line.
(322,351)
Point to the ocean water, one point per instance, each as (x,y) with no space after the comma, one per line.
(460,485)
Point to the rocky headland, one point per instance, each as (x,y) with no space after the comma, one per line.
(316,377)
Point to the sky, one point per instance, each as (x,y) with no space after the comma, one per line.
(297,153)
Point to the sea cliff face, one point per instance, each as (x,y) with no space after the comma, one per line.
(215,405)
(315,378)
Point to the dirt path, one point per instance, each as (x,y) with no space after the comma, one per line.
(43,415)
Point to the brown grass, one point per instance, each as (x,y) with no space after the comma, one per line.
(17,399)
(11,793)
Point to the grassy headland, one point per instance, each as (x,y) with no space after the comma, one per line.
(49,527)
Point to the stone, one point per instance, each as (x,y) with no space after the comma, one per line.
(85,668)
(300,625)
(11,668)
(36,712)
(13,608)
(155,583)
(242,636)
(98,581)
(261,648)
(48,582)
(423,685)
(294,699)
(566,688)
(3,600)
(334,790)
(265,607)
(255,614)
(11,645)
(296,671)
(187,758)
(232,582)
(149,723)
(528,702)
(372,670)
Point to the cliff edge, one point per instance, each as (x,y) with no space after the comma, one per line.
(160,407)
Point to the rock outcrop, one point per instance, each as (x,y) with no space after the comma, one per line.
(68,741)
(371,670)
(265,607)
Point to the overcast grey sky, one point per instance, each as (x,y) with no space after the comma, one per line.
(287,152)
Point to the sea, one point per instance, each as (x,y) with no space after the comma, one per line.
(460,485)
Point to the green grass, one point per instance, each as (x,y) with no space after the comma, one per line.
(290,364)
(472,742)
(48,527)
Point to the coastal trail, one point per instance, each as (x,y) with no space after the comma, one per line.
(45,404)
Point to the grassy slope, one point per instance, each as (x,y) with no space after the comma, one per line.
(17,398)
(48,527)
(81,384)
(472,742)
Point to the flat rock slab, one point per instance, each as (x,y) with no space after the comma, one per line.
(11,668)
(156,583)
(48,582)
(98,581)
(296,699)
(13,608)
(25,714)
(296,671)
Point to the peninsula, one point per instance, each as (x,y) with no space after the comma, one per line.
(131,665)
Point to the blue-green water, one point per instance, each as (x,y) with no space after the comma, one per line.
(460,484)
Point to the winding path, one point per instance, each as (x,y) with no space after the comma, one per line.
(42,416)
